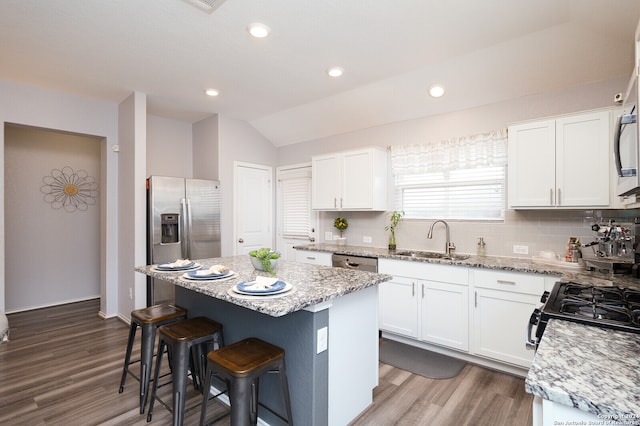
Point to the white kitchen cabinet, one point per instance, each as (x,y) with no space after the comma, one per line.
(561,163)
(352,180)
(444,314)
(426,302)
(314,257)
(398,306)
(502,305)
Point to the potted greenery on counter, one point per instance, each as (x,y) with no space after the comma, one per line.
(394,217)
(341,224)
(264,259)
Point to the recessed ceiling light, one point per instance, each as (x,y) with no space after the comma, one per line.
(212,92)
(335,72)
(436,90)
(258,30)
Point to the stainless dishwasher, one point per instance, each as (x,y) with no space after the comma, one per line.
(361,263)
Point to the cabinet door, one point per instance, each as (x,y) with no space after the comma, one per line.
(582,160)
(444,314)
(314,257)
(500,321)
(357,177)
(326,182)
(398,306)
(531,166)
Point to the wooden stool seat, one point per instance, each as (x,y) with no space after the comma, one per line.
(149,319)
(249,356)
(240,365)
(158,314)
(184,340)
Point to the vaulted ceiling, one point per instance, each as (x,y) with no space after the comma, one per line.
(392,52)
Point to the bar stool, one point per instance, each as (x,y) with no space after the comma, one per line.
(184,339)
(149,319)
(241,364)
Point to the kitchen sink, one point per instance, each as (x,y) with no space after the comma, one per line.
(432,255)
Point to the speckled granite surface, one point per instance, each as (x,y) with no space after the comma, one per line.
(590,368)
(514,264)
(311,284)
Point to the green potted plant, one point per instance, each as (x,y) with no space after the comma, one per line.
(394,217)
(264,259)
(341,224)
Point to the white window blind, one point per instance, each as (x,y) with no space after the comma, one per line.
(460,179)
(295,186)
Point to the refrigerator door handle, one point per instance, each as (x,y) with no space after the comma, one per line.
(189,228)
(184,247)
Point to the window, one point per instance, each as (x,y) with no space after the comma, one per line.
(460,179)
(295,198)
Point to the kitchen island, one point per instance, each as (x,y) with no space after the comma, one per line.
(327,324)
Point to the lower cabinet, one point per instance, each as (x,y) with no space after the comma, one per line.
(502,305)
(314,257)
(481,312)
(398,307)
(444,314)
(430,304)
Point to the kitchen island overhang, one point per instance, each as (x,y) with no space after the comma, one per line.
(327,324)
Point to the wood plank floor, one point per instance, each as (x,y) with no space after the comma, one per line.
(62,366)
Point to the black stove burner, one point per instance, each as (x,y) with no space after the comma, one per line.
(609,307)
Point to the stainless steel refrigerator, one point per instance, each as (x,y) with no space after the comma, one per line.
(183,221)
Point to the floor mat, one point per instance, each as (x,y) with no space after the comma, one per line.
(419,361)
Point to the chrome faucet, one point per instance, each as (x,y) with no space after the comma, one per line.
(449,245)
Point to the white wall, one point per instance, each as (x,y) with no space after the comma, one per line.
(132,231)
(540,230)
(169,147)
(42,241)
(206,149)
(30,106)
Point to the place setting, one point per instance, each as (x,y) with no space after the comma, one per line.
(262,287)
(213,273)
(176,266)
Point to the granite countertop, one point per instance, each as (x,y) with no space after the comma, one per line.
(589,368)
(312,284)
(567,272)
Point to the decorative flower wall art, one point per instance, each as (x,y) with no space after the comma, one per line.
(70,190)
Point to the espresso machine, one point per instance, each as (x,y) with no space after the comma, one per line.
(613,250)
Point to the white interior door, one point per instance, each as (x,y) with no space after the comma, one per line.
(253,207)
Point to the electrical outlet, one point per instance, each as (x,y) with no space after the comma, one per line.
(521,249)
(367,239)
(328,236)
(323,342)
(130,293)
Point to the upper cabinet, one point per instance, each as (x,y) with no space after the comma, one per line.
(561,163)
(352,180)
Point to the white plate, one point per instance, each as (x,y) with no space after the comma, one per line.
(179,269)
(286,288)
(231,274)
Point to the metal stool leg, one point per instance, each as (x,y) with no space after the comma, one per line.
(155,380)
(180,368)
(241,391)
(284,385)
(127,357)
(146,361)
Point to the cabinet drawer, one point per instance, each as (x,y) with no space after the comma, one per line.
(509,281)
(425,271)
(314,257)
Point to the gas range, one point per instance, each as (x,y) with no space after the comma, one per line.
(608,307)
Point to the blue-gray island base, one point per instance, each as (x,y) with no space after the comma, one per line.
(328,387)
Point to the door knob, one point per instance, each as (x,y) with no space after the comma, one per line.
(241,241)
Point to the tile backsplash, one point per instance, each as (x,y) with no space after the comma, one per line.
(538,230)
